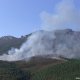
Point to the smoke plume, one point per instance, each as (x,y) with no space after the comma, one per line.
(38,44)
(50,44)
(52,41)
(66,16)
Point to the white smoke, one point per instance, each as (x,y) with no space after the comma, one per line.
(65,16)
(65,43)
(49,44)
(38,44)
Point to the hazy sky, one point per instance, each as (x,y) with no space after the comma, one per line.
(20,17)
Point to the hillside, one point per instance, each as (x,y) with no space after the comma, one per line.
(59,43)
(8,42)
(8,71)
(42,69)
(22,70)
(69,70)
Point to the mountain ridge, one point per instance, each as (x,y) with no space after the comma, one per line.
(64,42)
(8,42)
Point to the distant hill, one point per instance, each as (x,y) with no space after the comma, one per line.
(66,43)
(41,68)
(8,42)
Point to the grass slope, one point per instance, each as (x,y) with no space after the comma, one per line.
(40,69)
(69,70)
(8,71)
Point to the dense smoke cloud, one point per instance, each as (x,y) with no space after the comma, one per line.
(66,15)
(53,42)
(49,44)
(38,44)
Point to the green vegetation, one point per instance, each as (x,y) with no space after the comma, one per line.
(9,71)
(64,71)
(40,70)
